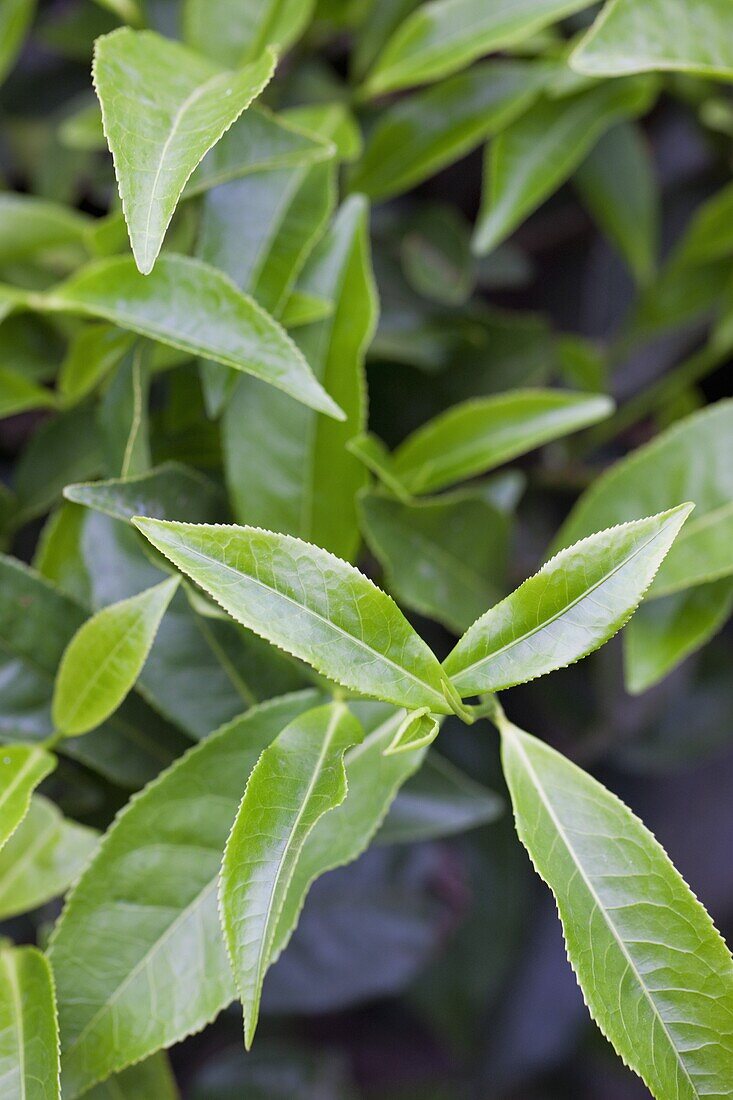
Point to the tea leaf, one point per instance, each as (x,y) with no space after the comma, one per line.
(29,225)
(22,768)
(287,469)
(309,603)
(163,107)
(691,36)
(151,888)
(417,136)
(42,858)
(105,657)
(576,602)
(532,157)
(478,435)
(29,1041)
(443,36)
(655,974)
(188,305)
(233,35)
(170,491)
(298,778)
(18,394)
(417,730)
(15,19)
(689,461)
(149,1080)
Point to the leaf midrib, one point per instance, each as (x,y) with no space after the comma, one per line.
(360,643)
(597,902)
(10,970)
(558,614)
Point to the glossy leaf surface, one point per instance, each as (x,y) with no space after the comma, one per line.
(163,107)
(29,1055)
(191,306)
(691,36)
(481,434)
(689,461)
(655,974)
(104,659)
(576,602)
(445,35)
(42,858)
(158,901)
(298,779)
(309,603)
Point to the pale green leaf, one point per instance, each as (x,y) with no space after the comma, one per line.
(188,305)
(481,434)
(655,974)
(29,1041)
(419,135)
(617,184)
(689,461)
(163,108)
(22,768)
(105,657)
(287,469)
(170,491)
(42,858)
(537,153)
(665,632)
(309,603)
(576,602)
(692,36)
(233,33)
(298,778)
(445,557)
(443,36)
(30,226)
(151,890)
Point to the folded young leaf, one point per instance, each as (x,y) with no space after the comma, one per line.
(233,34)
(536,154)
(344,833)
(42,858)
(309,603)
(417,136)
(690,36)
(481,434)
(446,35)
(163,108)
(151,889)
(287,469)
(29,1038)
(665,632)
(655,974)
(191,306)
(445,557)
(576,602)
(417,730)
(105,657)
(170,491)
(22,768)
(298,778)
(689,461)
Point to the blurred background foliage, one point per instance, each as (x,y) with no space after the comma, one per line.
(432,968)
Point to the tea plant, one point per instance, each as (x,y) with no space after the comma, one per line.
(198,665)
